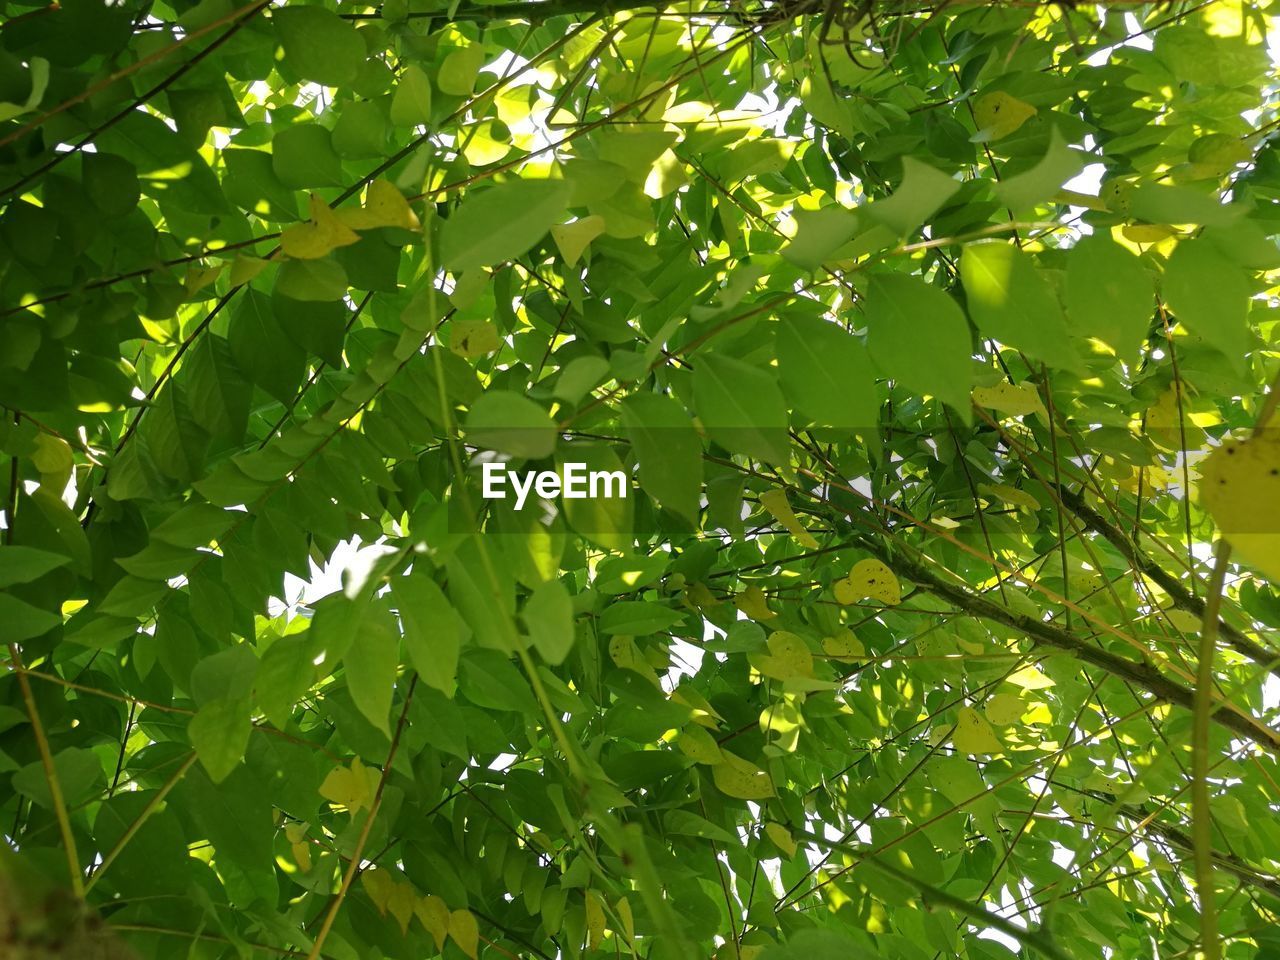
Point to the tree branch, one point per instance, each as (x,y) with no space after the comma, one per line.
(1182,598)
(1140,674)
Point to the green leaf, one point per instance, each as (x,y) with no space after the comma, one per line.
(1110,295)
(318,44)
(1012,302)
(819,234)
(918,336)
(23,621)
(668,449)
(433,631)
(285,673)
(371,663)
(1210,296)
(548,618)
(922,192)
(827,374)
(24,564)
(220,733)
(80,778)
(411,103)
(510,423)
(500,223)
(302,156)
(637,618)
(741,407)
(458,71)
(312,280)
(1058,165)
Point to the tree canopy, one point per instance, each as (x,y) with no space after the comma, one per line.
(934,339)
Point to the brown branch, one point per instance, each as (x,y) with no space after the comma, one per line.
(354,864)
(1182,598)
(1141,674)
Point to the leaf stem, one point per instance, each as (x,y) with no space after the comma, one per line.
(353,865)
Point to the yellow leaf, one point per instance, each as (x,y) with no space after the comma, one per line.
(1029,678)
(844,592)
(296,834)
(694,742)
(999,114)
(384,206)
(595,919)
(1183,620)
(741,779)
(781,838)
(472,339)
(380,886)
(1019,498)
(573,238)
(433,914)
(1004,709)
(844,646)
(244,269)
(623,909)
(319,237)
(699,595)
(198,278)
(703,712)
(351,788)
(751,601)
(301,856)
(1011,400)
(788,657)
(53,459)
(465,932)
(625,654)
(1147,232)
(401,904)
(871,578)
(973,734)
(775,501)
(1240,488)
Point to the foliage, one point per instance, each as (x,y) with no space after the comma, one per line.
(895,648)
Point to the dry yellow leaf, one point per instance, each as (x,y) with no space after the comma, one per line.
(751,601)
(973,734)
(352,787)
(844,646)
(595,919)
(788,657)
(1011,400)
(320,236)
(697,744)
(999,114)
(872,578)
(472,339)
(781,838)
(384,206)
(741,779)
(465,932)
(844,592)
(433,914)
(623,910)
(1004,709)
(1240,488)
(775,501)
